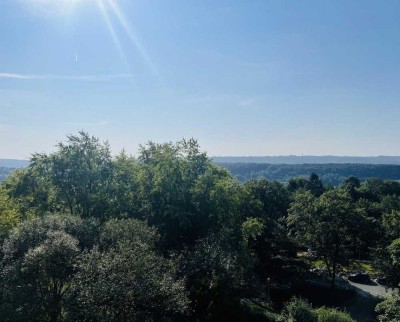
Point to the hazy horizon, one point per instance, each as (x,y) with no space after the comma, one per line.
(267,156)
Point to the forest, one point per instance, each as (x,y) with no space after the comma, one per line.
(169,235)
(330,174)
(4,173)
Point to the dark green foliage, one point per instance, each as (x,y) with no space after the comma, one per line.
(298,310)
(39,260)
(298,183)
(169,235)
(274,197)
(80,173)
(350,185)
(329,225)
(184,195)
(271,246)
(333,173)
(127,280)
(331,315)
(389,309)
(218,276)
(313,184)
(388,260)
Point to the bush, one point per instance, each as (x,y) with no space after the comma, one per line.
(299,310)
(389,309)
(325,314)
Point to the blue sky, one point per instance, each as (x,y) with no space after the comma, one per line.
(243,77)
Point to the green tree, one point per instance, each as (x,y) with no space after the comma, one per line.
(315,185)
(350,185)
(39,261)
(184,195)
(273,196)
(299,310)
(391,224)
(81,175)
(388,260)
(218,275)
(325,314)
(9,217)
(251,229)
(329,225)
(271,248)
(298,183)
(126,198)
(126,280)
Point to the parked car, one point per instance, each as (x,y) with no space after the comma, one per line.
(361,278)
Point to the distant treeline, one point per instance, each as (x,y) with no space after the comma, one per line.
(329,173)
(310,159)
(13,163)
(333,174)
(4,172)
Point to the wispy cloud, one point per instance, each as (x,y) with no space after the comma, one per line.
(209,99)
(88,124)
(249,101)
(231,59)
(84,78)
(233,99)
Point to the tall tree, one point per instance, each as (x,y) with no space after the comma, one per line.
(125,279)
(39,261)
(81,173)
(327,224)
(183,194)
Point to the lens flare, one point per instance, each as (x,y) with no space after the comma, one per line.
(111,30)
(131,34)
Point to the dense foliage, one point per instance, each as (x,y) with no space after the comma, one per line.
(298,310)
(4,173)
(170,236)
(330,173)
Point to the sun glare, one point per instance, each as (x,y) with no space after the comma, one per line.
(111,13)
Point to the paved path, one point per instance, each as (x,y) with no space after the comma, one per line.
(375,290)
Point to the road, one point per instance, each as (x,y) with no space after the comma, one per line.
(375,290)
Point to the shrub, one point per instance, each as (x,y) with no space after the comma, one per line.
(325,314)
(389,309)
(299,310)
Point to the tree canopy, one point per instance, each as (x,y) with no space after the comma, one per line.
(171,236)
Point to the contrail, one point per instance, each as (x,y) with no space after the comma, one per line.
(18,76)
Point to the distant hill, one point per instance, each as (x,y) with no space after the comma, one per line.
(295,159)
(329,173)
(8,165)
(13,163)
(4,173)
